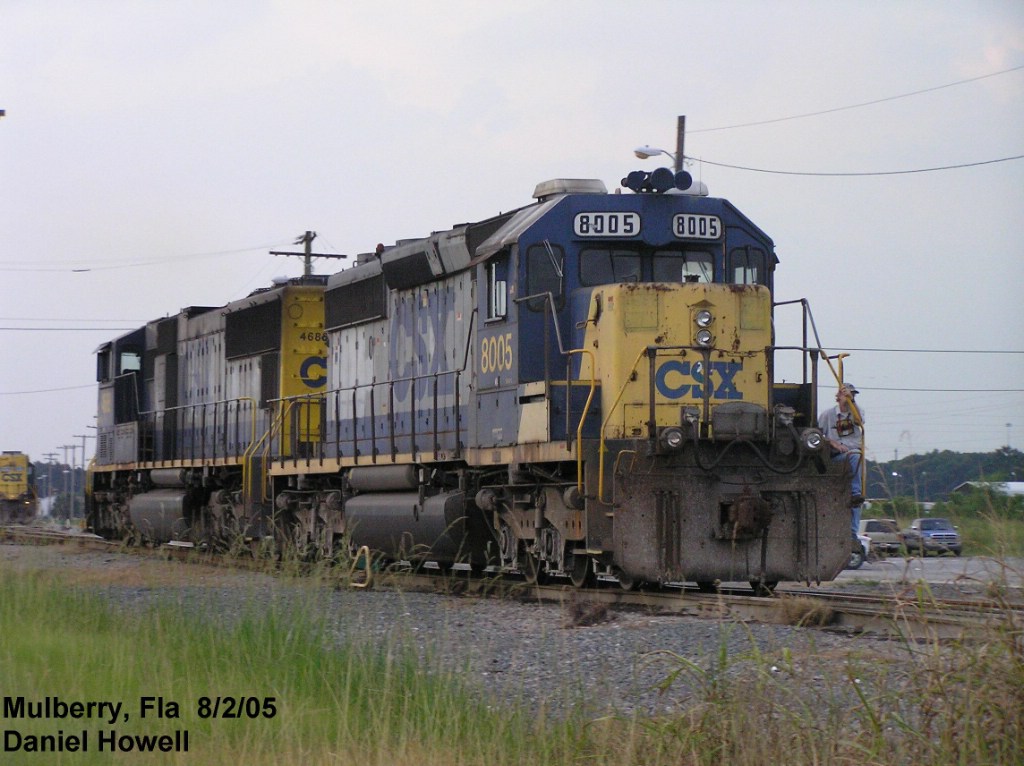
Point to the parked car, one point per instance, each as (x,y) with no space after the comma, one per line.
(926,536)
(884,533)
(860,552)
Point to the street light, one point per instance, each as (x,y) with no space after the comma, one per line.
(646,152)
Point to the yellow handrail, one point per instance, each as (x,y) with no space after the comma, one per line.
(604,425)
(363,552)
(586,409)
(856,416)
(250,453)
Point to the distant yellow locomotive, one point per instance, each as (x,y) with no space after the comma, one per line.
(18,500)
(580,388)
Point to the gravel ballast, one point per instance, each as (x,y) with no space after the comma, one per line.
(505,650)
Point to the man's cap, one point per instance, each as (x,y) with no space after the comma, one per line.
(852,388)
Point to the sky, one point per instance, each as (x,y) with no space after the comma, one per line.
(153,153)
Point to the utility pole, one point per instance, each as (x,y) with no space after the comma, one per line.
(308,254)
(83,437)
(68,475)
(680,140)
(51,458)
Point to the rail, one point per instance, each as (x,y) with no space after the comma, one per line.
(904,613)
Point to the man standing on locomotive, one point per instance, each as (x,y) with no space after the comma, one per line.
(843,426)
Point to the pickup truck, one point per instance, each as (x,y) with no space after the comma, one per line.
(932,535)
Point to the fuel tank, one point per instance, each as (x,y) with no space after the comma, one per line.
(160,515)
(399,526)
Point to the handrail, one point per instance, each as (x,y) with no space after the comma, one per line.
(583,415)
(568,388)
(604,425)
(334,396)
(857,418)
(203,407)
(275,427)
(838,375)
(364,553)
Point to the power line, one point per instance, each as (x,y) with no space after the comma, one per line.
(19,266)
(864,173)
(46,390)
(858,106)
(68,329)
(942,390)
(927,350)
(64,319)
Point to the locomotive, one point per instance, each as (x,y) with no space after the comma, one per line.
(582,387)
(18,501)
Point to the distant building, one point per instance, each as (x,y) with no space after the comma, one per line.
(1010,488)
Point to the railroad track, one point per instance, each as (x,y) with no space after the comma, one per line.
(908,615)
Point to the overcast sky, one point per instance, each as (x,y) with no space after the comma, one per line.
(153,152)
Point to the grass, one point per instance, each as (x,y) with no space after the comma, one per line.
(992,535)
(390,703)
(376,704)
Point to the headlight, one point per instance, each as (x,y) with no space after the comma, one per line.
(671,439)
(812,439)
(703,337)
(703,318)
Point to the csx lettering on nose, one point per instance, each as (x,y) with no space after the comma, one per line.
(675,379)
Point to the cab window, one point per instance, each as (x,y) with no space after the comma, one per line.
(603,266)
(497,288)
(690,265)
(545,265)
(131,361)
(747,266)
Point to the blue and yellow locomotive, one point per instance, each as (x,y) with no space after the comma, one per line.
(18,499)
(582,387)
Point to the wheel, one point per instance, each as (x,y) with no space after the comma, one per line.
(628,582)
(532,569)
(856,560)
(707,586)
(763,587)
(581,572)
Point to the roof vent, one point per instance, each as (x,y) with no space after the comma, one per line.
(555,186)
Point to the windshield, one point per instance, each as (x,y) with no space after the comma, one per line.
(607,265)
(933,524)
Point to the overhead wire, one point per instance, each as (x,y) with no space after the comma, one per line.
(858,173)
(844,174)
(858,105)
(19,266)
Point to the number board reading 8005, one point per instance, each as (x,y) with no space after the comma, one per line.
(696,226)
(606,224)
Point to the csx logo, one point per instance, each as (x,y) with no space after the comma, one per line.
(694,379)
(306,371)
